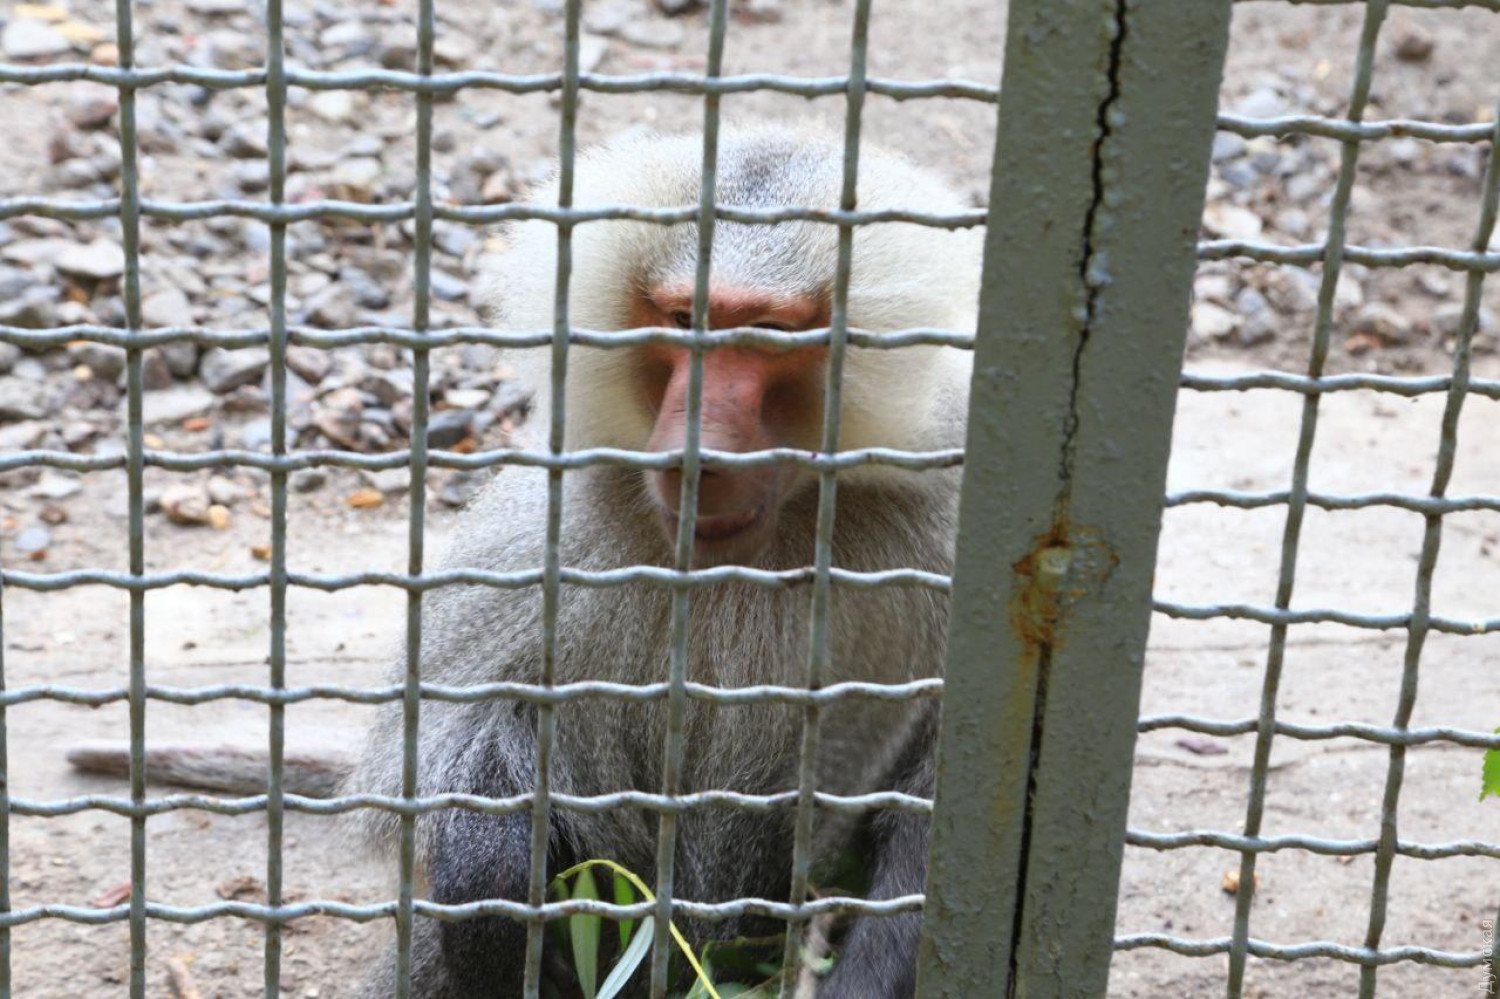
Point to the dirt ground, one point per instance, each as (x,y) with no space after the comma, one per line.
(1284,59)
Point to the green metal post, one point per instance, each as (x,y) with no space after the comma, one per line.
(1106,121)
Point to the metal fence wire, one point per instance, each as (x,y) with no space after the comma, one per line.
(1117,42)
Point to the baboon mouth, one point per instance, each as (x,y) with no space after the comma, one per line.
(713,527)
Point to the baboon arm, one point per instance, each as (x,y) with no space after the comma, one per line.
(879,958)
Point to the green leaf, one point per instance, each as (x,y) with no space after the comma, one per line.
(584,929)
(624,895)
(620,974)
(1490,782)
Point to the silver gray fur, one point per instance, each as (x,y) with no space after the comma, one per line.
(740,634)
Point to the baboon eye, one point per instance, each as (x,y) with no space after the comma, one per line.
(778,327)
(682,319)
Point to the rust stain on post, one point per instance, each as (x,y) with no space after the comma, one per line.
(1063,565)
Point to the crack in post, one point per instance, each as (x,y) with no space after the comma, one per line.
(1094,278)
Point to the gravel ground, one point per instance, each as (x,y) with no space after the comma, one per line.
(196,145)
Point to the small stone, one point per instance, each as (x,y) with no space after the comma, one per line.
(1413,43)
(454,51)
(1380,320)
(1265,102)
(1448,321)
(26,39)
(261,553)
(448,288)
(103,360)
(309,480)
(1228,146)
(1232,222)
(366,499)
(24,398)
(345,34)
(185,503)
(223,491)
(760,11)
(1257,329)
(22,436)
(156,373)
(467,398)
(212,8)
(218,517)
(652,34)
(52,486)
(97,261)
(606,18)
(32,543)
(245,143)
(175,404)
(53,514)
(334,106)
(1213,322)
(499,188)
(356,179)
(181,357)
(310,364)
(34,308)
(82,34)
(168,307)
(448,427)
(1347,294)
(93,108)
(256,435)
(387,480)
(9,355)
(591,52)
(226,370)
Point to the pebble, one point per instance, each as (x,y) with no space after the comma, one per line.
(9,355)
(310,364)
(27,39)
(1232,222)
(186,503)
(99,260)
(649,33)
(1228,146)
(32,542)
(168,307)
(1448,319)
(387,480)
(226,370)
(1213,322)
(156,373)
(23,398)
(1413,43)
(175,404)
(334,106)
(22,436)
(309,480)
(105,361)
(356,179)
(1265,102)
(447,427)
(52,486)
(93,108)
(448,288)
(1381,320)
(212,8)
(223,491)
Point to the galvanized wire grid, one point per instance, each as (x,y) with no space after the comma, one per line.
(425,85)
(1418,623)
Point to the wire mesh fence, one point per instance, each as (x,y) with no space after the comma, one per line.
(427,85)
